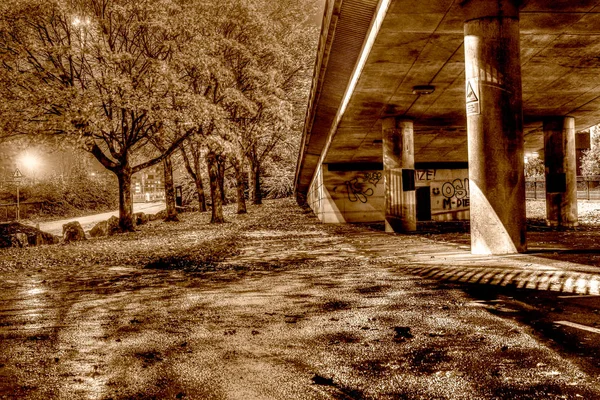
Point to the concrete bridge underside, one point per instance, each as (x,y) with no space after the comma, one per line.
(440,86)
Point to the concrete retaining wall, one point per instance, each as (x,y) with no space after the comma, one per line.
(358,196)
(449,191)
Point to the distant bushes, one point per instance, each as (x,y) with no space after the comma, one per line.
(277,186)
(68,197)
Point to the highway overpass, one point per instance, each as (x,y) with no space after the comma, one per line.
(425,110)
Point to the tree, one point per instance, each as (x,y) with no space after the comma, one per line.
(118,76)
(193,165)
(240,183)
(590,161)
(269,49)
(93,72)
(534,167)
(171,205)
(215,188)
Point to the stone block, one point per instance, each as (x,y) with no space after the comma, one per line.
(19,240)
(140,218)
(73,232)
(113,226)
(100,229)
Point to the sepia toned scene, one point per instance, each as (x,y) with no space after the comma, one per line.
(299,199)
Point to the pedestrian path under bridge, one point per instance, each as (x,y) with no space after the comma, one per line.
(557,260)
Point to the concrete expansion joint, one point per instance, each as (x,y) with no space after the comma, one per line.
(492,18)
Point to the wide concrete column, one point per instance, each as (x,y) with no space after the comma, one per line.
(399,175)
(495,127)
(561,171)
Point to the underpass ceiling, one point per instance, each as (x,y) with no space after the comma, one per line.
(421,43)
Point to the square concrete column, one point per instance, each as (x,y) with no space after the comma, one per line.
(495,126)
(561,171)
(399,175)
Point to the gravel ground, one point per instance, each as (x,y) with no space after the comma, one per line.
(271,305)
(588,211)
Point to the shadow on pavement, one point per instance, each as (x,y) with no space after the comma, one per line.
(557,281)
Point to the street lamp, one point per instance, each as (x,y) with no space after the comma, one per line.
(30,162)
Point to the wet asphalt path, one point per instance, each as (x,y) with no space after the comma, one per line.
(307,314)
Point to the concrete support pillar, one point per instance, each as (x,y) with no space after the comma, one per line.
(561,171)
(399,175)
(495,127)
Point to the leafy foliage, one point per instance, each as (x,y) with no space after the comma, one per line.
(94,73)
(75,196)
(590,162)
(131,81)
(534,167)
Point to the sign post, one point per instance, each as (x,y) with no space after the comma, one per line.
(17,175)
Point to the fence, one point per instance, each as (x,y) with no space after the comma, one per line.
(588,188)
(148,196)
(8,211)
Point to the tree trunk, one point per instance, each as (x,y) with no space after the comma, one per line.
(200,191)
(169,191)
(239,184)
(256,193)
(125,200)
(221,176)
(194,172)
(215,189)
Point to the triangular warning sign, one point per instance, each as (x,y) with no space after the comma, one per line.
(17,174)
(471,96)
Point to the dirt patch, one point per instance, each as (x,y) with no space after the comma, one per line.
(374,289)
(204,257)
(336,305)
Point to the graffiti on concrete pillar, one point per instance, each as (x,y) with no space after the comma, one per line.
(361,187)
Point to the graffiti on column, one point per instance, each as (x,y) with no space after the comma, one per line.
(361,187)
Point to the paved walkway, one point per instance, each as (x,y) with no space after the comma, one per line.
(453,262)
(303,311)
(87,222)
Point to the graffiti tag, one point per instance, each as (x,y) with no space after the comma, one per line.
(426,174)
(372,177)
(456,193)
(458,188)
(358,187)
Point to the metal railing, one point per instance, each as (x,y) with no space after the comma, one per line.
(148,196)
(8,211)
(588,188)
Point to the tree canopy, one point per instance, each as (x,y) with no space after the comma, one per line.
(590,162)
(131,81)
